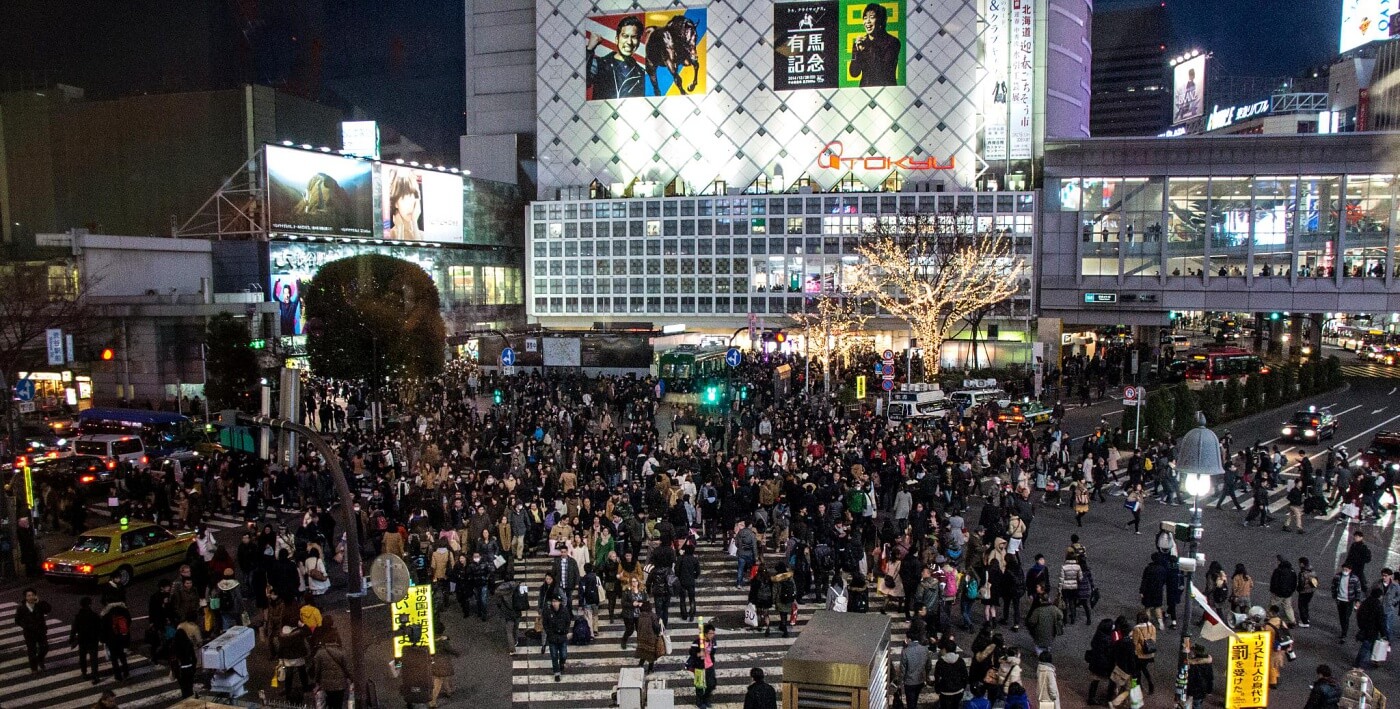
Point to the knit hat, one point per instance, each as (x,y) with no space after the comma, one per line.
(310,617)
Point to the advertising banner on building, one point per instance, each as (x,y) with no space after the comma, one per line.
(294,263)
(1365,21)
(995,84)
(657,53)
(838,44)
(319,193)
(420,205)
(1188,90)
(805,42)
(1021,134)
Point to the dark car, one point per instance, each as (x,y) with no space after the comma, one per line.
(1309,425)
(88,474)
(1384,452)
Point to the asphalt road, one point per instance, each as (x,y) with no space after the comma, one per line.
(1116,555)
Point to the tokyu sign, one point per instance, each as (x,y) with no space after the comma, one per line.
(831,157)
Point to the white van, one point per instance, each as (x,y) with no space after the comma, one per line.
(970,398)
(113,448)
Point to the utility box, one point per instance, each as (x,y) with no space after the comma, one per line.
(227,651)
(838,662)
(631,688)
(659,696)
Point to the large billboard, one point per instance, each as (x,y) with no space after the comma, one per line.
(657,53)
(996,81)
(1365,21)
(827,44)
(319,193)
(1020,133)
(294,263)
(1188,90)
(420,205)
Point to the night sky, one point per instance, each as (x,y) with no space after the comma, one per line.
(1267,38)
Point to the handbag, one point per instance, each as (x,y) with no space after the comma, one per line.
(1014,546)
(500,561)
(751,615)
(1351,510)
(840,603)
(985,593)
(663,644)
(1380,650)
(1135,695)
(733,548)
(315,572)
(792,616)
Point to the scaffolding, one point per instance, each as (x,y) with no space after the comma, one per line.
(236,211)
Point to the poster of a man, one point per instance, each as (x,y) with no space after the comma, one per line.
(617,74)
(875,55)
(1188,101)
(289,311)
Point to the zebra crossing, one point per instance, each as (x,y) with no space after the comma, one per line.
(591,671)
(62,686)
(1371,370)
(216,520)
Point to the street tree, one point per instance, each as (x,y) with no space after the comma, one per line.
(35,298)
(935,271)
(373,317)
(831,331)
(231,364)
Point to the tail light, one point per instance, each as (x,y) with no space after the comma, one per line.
(48,566)
(111,465)
(87,479)
(84,568)
(145,460)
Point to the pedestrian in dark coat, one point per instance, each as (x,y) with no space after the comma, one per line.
(86,636)
(760,694)
(32,617)
(1200,676)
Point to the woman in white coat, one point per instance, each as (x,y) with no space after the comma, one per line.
(1048,687)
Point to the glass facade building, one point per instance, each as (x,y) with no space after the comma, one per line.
(728,256)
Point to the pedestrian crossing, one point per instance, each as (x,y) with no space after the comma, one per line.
(591,671)
(1370,370)
(216,520)
(61,685)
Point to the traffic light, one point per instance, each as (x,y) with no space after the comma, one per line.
(107,354)
(780,337)
(1275,316)
(496,396)
(744,393)
(1173,315)
(712,394)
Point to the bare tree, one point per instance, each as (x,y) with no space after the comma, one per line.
(830,331)
(34,298)
(935,271)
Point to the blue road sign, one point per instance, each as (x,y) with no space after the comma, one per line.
(24,389)
(887,385)
(733,357)
(507,357)
(887,370)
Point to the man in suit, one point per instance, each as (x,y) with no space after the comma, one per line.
(32,617)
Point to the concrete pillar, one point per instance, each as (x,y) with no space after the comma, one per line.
(1295,337)
(1260,322)
(1315,335)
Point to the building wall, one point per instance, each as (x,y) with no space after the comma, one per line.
(1068,55)
(1201,204)
(126,266)
(1131,83)
(500,88)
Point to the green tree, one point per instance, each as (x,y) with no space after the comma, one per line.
(1269,386)
(1157,419)
(1234,398)
(373,317)
(1185,405)
(1209,399)
(1253,392)
(1288,383)
(231,363)
(1307,379)
(1334,372)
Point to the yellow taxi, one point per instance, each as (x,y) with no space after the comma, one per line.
(123,551)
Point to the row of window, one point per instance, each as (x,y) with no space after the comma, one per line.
(848,224)
(983,203)
(685,305)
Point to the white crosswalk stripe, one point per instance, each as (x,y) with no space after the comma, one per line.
(591,671)
(61,685)
(215,520)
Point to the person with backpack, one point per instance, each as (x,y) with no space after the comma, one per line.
(185,653)
(823,564)
(226,602)
(761,596)
(329,672)
(86,636)
(784,596)
(588,596)
(116,625)
(687,575)
(659,588)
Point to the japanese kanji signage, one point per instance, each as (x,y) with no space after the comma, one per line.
(1247,675)
(415,609)
(829,44)
(995,85)
(1022,35)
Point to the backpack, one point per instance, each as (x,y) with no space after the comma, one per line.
(520,602)
(121,625)
(973,588)
(582,634)
(381,522)
(823,558)
(856,502)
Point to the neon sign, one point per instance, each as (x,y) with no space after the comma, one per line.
(830,157)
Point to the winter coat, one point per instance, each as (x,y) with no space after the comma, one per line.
(914,663)
(1045,623)
(1047,686)
(1099,656)
(557,624)
(1070,574)
(746,543)
(328,668)
(648,637)
(950,674)
(1284,581)
(1154,580)
(1200,677)
(87,629)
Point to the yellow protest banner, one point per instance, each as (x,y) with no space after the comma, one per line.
(1247,675)
(860,387)
(415,609)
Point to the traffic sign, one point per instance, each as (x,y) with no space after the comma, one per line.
(887,385)
(507,357)
(887,370)
(733,357)
(24,390)
(889,355)
(389,578)
(1129,394)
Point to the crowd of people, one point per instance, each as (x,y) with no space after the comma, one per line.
(816,502)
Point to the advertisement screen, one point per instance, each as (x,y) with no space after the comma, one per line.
(659,53)
(1365,21)
(319,193)
(420,205)
(995,85)
(838,44)
(1188,90)
(294,263)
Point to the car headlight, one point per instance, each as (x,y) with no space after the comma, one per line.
(1309,432)
(1287,430)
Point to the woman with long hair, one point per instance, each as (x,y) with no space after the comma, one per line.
(405,206)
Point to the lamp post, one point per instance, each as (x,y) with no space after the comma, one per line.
(1198,460)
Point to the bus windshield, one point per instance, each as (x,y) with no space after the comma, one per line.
(161,431)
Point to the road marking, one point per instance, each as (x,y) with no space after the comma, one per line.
(1392,391)
(1373,413)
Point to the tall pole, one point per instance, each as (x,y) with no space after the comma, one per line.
(355,592)
(1184,648)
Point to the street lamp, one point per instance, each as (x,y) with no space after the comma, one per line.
(1198,459)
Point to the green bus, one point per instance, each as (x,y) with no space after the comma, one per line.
(685,369)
